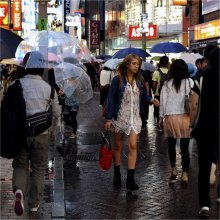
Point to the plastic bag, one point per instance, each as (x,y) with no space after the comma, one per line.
(105,152)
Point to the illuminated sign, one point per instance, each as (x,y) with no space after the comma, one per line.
(180,2)
(207,30)
(94,34)
(135,32)
(16,15)
(3,13)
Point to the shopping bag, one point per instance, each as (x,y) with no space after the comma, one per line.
(105,152)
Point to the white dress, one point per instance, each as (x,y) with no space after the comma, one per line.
(129,112)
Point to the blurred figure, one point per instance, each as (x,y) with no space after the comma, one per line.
(125,102)
(105,82)
(199,67)
(207,139)
(157,82)
(191,70)
(173,118)
(5,77)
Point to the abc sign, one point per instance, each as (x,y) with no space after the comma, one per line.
(136,33)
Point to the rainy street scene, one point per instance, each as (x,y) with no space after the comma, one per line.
(109,109)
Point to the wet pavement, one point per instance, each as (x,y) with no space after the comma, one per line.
(76,188)
(89,193)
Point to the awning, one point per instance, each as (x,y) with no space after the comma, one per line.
(138,43)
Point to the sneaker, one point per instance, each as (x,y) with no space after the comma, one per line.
(19,203)
(72,136)
(204,212)
(212,174)
(173,173)
(184,178)
(34,209)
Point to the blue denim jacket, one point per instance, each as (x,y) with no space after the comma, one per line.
(115,95)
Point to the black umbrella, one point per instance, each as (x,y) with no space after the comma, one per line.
(8,43)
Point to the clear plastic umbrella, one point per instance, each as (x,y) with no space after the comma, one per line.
(75,82)
(53,46)
(112,63)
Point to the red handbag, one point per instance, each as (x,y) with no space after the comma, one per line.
(105,152)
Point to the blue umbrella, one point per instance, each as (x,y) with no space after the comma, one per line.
(124,52)
(168,47)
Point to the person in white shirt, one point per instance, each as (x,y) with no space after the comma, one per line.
(173,118)
(37,97)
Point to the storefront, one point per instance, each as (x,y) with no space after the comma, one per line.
(204,34)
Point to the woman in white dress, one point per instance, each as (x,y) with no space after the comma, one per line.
(126,100)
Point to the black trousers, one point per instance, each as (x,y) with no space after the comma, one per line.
(184,147)
(208,145)
(70,119)
(156,109)
(144,116)
(103,93)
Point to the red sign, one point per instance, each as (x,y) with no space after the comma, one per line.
(94,34)
(135,32)
(3,13)
(16,15)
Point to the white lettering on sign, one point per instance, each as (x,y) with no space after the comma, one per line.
(135,32)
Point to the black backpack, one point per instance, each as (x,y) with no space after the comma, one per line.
(13,114)
(163,78)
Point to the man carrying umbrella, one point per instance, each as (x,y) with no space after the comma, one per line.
(37,95)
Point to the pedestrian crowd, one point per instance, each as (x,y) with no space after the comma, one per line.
(186,106)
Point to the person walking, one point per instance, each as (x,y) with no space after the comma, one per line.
(106,76)
(173,118)
(37,94)
(158,78)
(125,102)
(208,138)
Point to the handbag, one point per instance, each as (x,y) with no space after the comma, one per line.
(187,99)
(40,122)
(105,152)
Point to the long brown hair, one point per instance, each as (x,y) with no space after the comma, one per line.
(122,68)
(178,71)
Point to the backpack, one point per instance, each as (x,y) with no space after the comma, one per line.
(163,78)
(13,114)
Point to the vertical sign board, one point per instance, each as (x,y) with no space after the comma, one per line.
(66,12)
(16,15)
(94,34)
(4,13)
(42,24)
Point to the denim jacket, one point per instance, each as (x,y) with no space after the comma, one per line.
(115,96)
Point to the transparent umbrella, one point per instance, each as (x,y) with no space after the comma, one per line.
(112,63)
(75,82)
(54,47)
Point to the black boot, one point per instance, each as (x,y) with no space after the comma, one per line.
(117,177)
(130,184)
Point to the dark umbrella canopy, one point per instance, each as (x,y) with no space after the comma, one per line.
(124,52)
(168,47)
(8,43)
